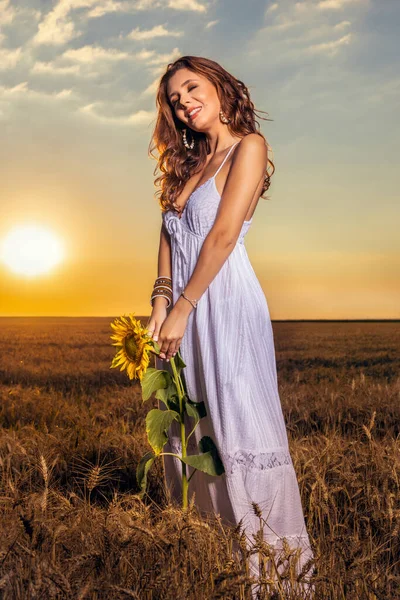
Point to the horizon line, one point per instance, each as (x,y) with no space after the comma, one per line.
(353,320)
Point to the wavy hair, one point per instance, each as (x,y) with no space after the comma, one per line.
(176,163)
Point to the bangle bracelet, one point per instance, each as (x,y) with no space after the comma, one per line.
(192,302)
(163,296)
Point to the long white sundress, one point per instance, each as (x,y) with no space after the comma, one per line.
(228,349)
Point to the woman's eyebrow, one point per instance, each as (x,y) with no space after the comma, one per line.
(184,83)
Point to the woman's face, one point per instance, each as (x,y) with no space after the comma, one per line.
(188,91)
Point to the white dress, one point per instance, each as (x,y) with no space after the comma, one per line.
(228,349)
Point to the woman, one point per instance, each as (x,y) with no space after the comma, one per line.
(209,304)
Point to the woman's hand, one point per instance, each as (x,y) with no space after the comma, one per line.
(157,317)
(173,329)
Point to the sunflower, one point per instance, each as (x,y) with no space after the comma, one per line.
(134,343)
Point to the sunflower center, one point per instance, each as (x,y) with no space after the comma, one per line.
(131,348)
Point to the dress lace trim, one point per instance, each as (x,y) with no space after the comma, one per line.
(241,459)
(245,459)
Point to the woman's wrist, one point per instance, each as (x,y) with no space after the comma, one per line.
(160,301)
(183,305)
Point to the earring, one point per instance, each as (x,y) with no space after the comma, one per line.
(185,142)
(223,118)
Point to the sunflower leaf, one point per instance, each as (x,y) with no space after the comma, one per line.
(209,461)
(198,407)
(141,470)
(173,403)
(153,379)
(192,412)
(179,363)
(164,394)
(157,423)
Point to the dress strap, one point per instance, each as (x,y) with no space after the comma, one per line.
(223,162)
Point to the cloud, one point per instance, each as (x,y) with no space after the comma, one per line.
(211,24)
(337,4)
(59,27)
(155,32)
(331,47)
(52,69)
(141,117)
(106,7)
(342,25)
(186,5)
(22,90)
(9,58)
(161,60)
(302,29)
(192,5)
(7,12)
(93,54)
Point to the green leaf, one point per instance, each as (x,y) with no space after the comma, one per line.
(157,423)
(153,379)
(173,403)
(208,462)
(179,363)
(198,407)
(192,412)
(167,392)
(141,471)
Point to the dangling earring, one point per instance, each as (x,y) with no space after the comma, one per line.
(185,142)
(223,118)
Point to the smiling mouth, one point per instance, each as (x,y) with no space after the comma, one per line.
(194,114)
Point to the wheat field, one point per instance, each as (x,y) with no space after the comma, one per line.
(72,432)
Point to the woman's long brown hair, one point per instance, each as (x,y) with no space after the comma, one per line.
(176,163)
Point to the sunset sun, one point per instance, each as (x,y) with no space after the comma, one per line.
(31,250)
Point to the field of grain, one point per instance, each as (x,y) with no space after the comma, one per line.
(72,432)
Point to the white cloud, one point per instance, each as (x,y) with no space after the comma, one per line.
(107,6)
(211,24)
(331,47)
(17,90)
(192,5)
(152,58)
(342,25)
(9,58)
(337,4)
(149,34)
(186,5)
(304,28)
(56,28)
(93,61)
(64,94)
(93,54)
(52,69)
(7,12)
(141,117)
(22,90)
(59,26)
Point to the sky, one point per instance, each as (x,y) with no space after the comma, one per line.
(78,81)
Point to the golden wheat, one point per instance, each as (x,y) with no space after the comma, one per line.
(73,431)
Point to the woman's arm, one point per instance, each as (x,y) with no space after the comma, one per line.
(248,166)
(164,262)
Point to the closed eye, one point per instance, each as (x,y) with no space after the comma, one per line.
(189,90)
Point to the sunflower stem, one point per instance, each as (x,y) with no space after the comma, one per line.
(185,483)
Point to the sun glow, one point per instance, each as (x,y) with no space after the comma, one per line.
(31,250)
